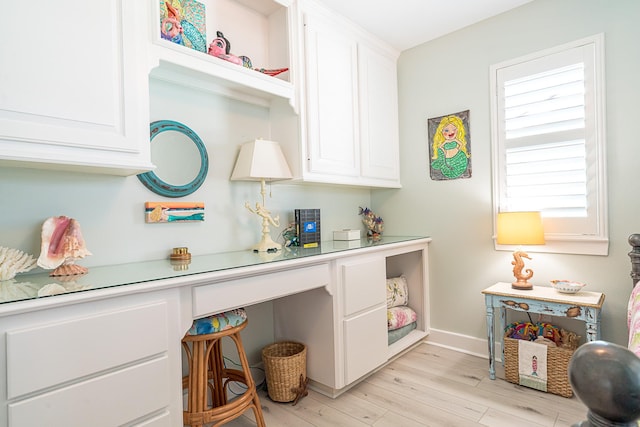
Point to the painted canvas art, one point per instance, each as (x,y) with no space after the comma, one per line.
(183,22)
(450,146)
(173,212)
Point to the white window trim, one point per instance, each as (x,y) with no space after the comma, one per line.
(562,243)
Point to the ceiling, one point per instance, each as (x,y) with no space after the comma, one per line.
(408,23)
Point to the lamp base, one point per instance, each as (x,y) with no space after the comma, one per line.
(522,285)
(266,245)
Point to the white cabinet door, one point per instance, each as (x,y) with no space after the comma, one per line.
(332,94)
(365,337)
(74,90)
(362,284)
(378,115)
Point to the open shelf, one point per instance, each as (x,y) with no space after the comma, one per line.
(258,29)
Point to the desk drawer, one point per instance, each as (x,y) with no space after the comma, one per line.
(219,297)
(47,355)
(110,400)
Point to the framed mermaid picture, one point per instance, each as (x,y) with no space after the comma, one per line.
(449,146)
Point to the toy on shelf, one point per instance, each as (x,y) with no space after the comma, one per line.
(220,47)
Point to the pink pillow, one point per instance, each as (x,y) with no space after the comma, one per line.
(397,317)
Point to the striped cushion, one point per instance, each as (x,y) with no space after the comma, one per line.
(218,322)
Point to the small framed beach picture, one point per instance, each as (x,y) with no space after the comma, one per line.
(158,212)
(449,146)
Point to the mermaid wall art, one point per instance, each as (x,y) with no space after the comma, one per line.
(449,146)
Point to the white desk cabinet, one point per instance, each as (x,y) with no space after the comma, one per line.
(345,329)
(111,355)
(74,92)
(104,363)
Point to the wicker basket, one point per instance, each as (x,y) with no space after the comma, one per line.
(284,363)
(557,367)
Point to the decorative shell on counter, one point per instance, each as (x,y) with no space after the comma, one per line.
(62,245)
(13,261)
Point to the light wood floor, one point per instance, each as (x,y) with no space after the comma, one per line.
(428,386)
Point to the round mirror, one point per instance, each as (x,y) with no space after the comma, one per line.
(180,157)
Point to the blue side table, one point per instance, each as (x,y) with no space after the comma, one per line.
(544,300)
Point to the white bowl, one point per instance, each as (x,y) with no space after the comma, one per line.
(567,286)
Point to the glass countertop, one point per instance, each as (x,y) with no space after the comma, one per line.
(37,285)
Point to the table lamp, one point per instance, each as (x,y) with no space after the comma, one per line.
(520,228)
(262,160)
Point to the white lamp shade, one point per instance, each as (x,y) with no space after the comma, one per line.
(520,228)
(261,159)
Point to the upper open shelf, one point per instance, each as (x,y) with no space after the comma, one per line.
(258,29)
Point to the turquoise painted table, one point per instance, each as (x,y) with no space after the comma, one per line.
(544,300)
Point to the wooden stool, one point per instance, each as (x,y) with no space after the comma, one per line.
(207,372)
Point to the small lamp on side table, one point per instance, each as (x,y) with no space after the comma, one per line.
(520,228)
(262,160)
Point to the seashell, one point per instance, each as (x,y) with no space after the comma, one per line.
(69,270)
(13,261)
(62,242)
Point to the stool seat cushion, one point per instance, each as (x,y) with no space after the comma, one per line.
(218,322)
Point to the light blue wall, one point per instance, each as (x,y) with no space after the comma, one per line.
(451,74)
(111,209)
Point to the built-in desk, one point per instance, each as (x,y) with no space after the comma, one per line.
(111,344)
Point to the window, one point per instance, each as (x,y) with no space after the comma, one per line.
(548,143)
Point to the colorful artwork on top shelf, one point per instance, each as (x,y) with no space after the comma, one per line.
(183,22)
(173,212)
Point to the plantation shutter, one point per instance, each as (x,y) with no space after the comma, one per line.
(548,126)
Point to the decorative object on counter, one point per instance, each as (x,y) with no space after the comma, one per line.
(290,236)
(450,148)
(346,234)
(153,182)
(62,245)
(180,258)
(163,212)
(373,223)
(262,160)
(308,227)
(14,261)
(520,228)
(567,286)
(183,22)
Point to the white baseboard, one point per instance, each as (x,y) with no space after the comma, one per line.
(462,343)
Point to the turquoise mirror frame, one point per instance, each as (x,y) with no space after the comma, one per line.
(158,186)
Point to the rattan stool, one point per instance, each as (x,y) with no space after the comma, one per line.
(208,378)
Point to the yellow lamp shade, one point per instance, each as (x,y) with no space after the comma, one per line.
(519,228)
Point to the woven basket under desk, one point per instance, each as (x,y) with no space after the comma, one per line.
(557,367)
(285,363)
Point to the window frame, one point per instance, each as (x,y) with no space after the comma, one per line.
(597,242)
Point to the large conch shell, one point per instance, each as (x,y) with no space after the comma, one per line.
(13,261)
(62,245)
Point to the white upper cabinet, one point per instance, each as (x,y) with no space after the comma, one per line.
(257,29)
(74,91)
(349,111)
